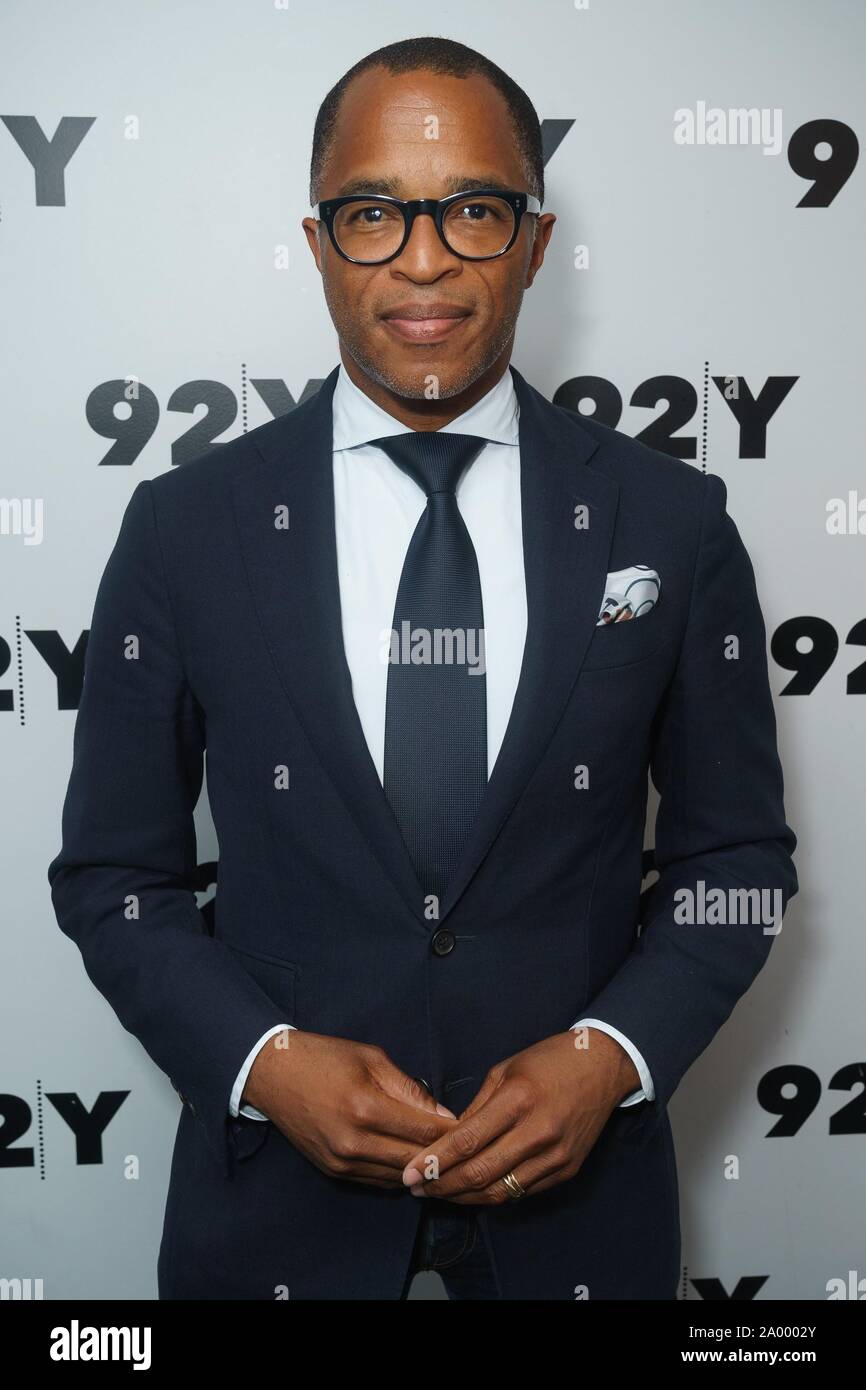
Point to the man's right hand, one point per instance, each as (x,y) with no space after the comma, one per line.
(345,1105)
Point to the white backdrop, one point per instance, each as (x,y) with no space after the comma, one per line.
(169,250)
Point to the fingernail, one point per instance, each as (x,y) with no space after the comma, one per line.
(412,1176)
(441,1110)
(417,1190)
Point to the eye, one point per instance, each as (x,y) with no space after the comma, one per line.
(366,214)
(478,211)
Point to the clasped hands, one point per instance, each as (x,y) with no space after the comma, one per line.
(357,1116)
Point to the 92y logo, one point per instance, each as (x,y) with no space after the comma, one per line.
(87,1126)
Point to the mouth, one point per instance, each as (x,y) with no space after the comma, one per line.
(425,323)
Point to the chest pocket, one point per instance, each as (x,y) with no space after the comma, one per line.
(622,644)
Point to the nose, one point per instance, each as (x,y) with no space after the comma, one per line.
(425,253)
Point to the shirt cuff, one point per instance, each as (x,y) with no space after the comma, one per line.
(238,1088)
(648,1092)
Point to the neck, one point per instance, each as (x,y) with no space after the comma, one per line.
(425,414)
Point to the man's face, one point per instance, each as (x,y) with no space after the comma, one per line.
(416,135)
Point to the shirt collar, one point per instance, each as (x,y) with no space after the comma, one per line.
(357,419)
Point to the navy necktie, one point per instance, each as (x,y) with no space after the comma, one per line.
(435,771)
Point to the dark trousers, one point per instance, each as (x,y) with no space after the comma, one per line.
(450,1242)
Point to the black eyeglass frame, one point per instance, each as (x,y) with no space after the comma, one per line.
(436,208)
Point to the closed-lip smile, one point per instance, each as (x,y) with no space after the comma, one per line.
(425,322)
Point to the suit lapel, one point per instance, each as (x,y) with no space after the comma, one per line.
(565,572)
(295,583)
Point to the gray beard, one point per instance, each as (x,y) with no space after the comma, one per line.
(398,386)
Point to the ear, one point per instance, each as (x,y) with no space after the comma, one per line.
(311,230)
(543,231)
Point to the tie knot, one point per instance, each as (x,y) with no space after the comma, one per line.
(434,459)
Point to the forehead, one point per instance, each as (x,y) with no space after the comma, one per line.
(419,128)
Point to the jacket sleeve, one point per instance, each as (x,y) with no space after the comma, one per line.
(121,883)
(720,823)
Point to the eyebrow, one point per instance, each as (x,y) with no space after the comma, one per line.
(392,187)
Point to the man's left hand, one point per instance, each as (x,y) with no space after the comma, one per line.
(537,1115)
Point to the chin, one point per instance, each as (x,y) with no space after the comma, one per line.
(413,381)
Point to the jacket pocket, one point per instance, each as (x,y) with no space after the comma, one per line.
(278,978)
(620,644)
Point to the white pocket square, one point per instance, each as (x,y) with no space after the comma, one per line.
(629,593)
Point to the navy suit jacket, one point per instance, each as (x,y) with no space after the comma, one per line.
(319,917)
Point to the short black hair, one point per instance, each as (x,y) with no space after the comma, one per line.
(446,58)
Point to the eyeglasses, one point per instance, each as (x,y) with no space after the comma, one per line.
(477,226)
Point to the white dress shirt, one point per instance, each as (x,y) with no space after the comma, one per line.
(377,507)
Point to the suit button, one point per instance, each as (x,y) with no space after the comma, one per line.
(443,942)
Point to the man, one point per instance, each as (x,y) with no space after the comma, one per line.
(402,619)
